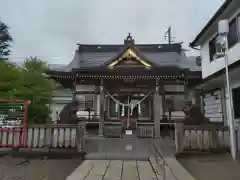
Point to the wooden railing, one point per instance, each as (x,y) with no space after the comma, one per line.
(41,136)
(145,130)
(206,137)
(112,129)
(200,137)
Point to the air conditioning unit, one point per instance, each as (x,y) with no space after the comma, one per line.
(220,49)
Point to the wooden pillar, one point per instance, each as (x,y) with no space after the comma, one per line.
(162,92)
(95,103)
(156,110)
(74,88)
(186,90)
(202,101)
(197,97)
(101,119)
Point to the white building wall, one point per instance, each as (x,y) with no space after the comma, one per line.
(60,98)
(209,68)
(55,107)
(233,84)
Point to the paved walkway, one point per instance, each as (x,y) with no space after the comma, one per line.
(113,170)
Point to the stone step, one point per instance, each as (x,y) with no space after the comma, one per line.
(116,156)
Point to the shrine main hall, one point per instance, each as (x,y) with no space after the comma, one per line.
(129,83)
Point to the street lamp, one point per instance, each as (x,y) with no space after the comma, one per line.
(223,30)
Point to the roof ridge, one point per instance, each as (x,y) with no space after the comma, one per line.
(138,44)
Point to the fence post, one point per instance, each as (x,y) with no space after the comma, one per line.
(213,138)
(80,134)
(179,135)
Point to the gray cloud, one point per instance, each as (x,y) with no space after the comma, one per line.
(50,29)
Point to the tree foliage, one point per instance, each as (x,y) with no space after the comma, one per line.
(5,41)
(28,83)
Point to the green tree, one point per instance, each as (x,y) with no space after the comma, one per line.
(5,41)
(9,80)
(28,83)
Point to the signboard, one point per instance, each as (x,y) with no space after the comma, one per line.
(213,109)
(128,132)
(13,122)
(11,117)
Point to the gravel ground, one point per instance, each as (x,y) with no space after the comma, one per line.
(211,167)
(13,168)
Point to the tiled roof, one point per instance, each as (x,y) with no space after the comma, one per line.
(163,55)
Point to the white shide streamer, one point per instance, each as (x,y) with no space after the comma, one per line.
(131,104)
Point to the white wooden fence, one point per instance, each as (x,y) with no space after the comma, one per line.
(206,137)
(40,136)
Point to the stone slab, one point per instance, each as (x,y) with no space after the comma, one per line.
(145,171)
(82,171)
(130,171)
(114,170)
(100,167)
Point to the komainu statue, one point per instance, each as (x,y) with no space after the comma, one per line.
(193,115)
(68,114)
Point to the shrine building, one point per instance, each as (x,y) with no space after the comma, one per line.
(135,83)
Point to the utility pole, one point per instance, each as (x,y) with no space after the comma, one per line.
(223,31)
(168,35)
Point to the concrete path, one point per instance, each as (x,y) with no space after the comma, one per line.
(113,170)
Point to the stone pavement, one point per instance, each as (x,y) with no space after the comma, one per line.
(114,170)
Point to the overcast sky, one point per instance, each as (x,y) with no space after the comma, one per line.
(51,29)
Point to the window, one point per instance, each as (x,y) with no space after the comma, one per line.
(238,26)
(175,103)
(233,33)
(236,102)
(85,101)
(213,48)
(89,101)
(144,108)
